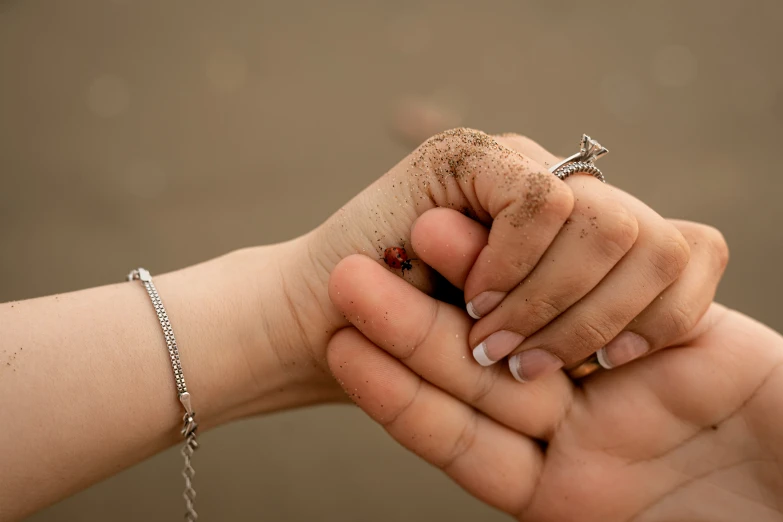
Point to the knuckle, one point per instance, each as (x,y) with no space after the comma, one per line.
(530,195)
(669,255)
(559,201)
(542,310)
(519,264)
(397,413)
(680,319)
(714,241)
(484,385)
(590,334)
(454,143)
(463,443)
(420,336)
(618,231)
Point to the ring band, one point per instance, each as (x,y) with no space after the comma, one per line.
(581,167)
(585,368)
(583,161)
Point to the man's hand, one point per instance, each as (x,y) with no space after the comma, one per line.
(688,433)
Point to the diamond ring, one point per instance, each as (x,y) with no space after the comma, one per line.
(581,162)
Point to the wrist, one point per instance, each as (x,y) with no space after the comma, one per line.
(272,360)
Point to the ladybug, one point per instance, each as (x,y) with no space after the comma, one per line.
(397,257)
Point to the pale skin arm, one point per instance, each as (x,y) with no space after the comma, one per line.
(86,387)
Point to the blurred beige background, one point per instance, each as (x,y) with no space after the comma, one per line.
(166,132)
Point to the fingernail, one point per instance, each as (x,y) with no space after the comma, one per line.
(496,346)
(532,364)
(622,349)
(484,303)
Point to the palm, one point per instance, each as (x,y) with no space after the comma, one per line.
(687,434)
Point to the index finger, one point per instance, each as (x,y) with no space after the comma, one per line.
(526,205)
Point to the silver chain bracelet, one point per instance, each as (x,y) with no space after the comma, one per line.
(189,424)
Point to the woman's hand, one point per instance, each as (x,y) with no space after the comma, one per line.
(689,433)
(554,253)
(618,280)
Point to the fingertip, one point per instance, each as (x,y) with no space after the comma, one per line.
(350,275)
(480,354)
(513,365)
(602,360)
(533,364)
(623,349)
(339,277)
(484,303)
(472,311)
(448,241)
(338,348)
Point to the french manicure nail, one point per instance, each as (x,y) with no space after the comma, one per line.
(532,364)
(484,303)
(496,346)
(622,349)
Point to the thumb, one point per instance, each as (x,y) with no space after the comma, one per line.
(449,242)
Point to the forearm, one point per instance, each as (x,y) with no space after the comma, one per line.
(86,385)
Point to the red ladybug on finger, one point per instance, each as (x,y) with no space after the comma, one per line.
(397,257)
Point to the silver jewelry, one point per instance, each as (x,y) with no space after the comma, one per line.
(589,151)
(189,419)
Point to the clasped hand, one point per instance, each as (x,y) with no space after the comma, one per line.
(679,426)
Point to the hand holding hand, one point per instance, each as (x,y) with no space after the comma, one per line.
(685,433)
(545,270)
